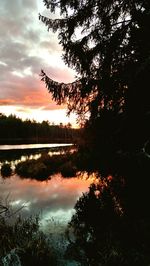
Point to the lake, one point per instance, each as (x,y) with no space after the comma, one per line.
(53,199)
(33,146)
(14,154)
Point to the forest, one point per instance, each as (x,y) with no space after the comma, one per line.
(14,130)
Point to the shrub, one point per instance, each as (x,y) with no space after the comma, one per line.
(33,169)
(6,170)
(26,242)
(68,169)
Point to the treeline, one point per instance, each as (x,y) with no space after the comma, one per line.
(15,130)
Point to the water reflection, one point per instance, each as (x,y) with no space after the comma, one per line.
(15,156)
(33,146)
(53,198)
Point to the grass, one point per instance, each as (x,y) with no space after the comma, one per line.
(23,242)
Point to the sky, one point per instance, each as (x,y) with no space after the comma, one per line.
(26,47)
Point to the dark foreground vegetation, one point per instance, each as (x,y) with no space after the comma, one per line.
(13,130)
(22,242)
(6,170)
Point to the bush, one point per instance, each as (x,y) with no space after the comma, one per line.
(25,241)
(6,170)
(45,166)
(33,169)
(68,169)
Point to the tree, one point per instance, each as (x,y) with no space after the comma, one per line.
(101,233)
(107,43)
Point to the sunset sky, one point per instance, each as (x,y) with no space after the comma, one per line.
(26,47)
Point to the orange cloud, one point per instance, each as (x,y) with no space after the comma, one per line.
(7,101)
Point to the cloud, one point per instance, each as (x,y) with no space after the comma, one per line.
(25,48)
(7,102)
(52,106)
(51,46)
(25,88)
(24,110)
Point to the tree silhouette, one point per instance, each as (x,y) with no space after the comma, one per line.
(102,234)
(107,44)
(15,130)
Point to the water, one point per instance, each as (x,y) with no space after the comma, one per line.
(14,154)
(33,146)
(53,200)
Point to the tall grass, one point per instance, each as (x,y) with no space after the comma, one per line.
(23,242)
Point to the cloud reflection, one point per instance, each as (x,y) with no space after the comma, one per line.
(53,198)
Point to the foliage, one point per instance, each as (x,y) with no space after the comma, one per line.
(46,165)
(32,169)
(101,233)
(6,170)
(107,43)
(27,241)
(68,169)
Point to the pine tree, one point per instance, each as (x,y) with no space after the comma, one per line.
(107,43)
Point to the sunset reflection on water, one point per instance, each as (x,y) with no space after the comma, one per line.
(54,198)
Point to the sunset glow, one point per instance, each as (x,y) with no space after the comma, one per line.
(26,48)
(56,196)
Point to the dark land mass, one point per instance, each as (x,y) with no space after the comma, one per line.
(15,131)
